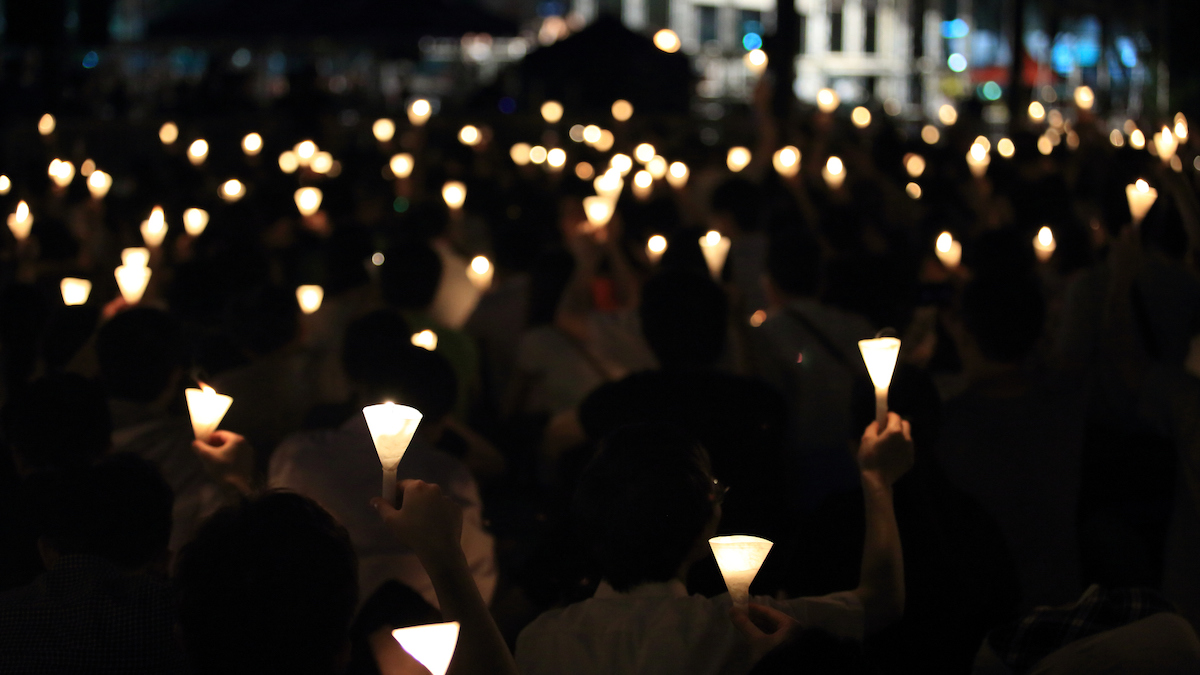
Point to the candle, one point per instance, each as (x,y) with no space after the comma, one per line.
(556,158)
(739,557)
(622,163)
(432,645)
(46,124)
(880,355)
(425,339)
(1044,244)
(480,272)
(1006,148)
(827,100)
(454,193)
(392,427)
(667,40)
(834,173)
(304,152)
(622,110)
(308,200)
(609,184)
(552,111)
(132,282)
(677,175)
(135,257)
(99,184)
(383,129)
(61,172)
(252,144)
(469,135)
(756,61)
(5,185)
(288,161)
(948,250)
(419,112)
(21,221)
(643,185)
(655,247)
(537,154)
(948,115)
(519,154)
(75,291)
(402,164)
(978,160)
(657,166)
(644,152)
(786,161)
(168,133)
(1141,197)
(154,229)
(194,221)
(232,190)
(1166,144)
(737,159)
(321,162)
(1085,98)
(913,190)
(715,248)
(207,408)
(599,210)
(309,297)
(1137,139)
(197,152)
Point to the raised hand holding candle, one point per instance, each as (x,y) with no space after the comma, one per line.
(392,427)
(1141,197)
(739,556)
(880,355)
(207,408)
(715,248)
(431,645)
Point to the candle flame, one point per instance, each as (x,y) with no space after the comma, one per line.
(1143,186)
(1045,236)
(944,241)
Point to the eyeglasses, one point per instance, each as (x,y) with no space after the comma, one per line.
(719,490)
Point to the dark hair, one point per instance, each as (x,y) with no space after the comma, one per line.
(411,274)
(138,350)
(684,318)
(119,509)
(794,262)
(58,421)
(267,586)
(263,319)
(1005,314)
(741,199)
(642,502)
(378,354)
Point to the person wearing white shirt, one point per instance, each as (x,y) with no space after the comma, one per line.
(648,504)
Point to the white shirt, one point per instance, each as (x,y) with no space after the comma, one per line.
(658,629)
(340,470)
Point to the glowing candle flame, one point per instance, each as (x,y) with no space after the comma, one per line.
(431,645)
(834,173)
(948,250)
(232,190)
(419,112)
(1044,244)
(677,175)
(1141,197)
(880,355)
(786,161)
(667,40)
(737,159)
(401,165)
(715,249)
(75,291)
(598,210)
(454,193)
(135,257)
(739,557)
(609,184)
(655,247)
(207,408)
(914,165)
(1006,148)
(622,110)
(552,111)
(383,129)
(621,162)
(168,133)
(469,135)
(643,184)
(480,272)
(304,152)
(520,154)
(978,160)
(308,200)
(252,144)
(194,221)
(309,297)
(1037,112)
(154,228)
(5,185)
(425,339)
(1085,98)
(197,151)
(99,184)
(132,282)
(46,124)
(644,152)
(392,427)
(861,117)
(288,161)
(828,100)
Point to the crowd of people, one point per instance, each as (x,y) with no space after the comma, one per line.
(595,411)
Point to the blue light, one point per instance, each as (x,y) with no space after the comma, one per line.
(1087,51)
(91,59)
(955,29)
(957,62)
(1062,57)
(507,105)
(991,91)
(1128,50)
(752,41)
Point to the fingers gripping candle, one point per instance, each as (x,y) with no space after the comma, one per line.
(392,427)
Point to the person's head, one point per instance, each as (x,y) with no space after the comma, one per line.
(646,503)
(411,274)
(118,509)
(794,263)
(268,586)
(1004,315)
(58,421)
(262,320)
(140,352)
(383,365)
(737,202)
(684,319)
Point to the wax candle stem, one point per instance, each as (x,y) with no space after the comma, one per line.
(389,485)
(881,409)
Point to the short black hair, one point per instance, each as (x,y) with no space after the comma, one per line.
(268,585)
(684,318)
(411,274)
(794,262)
(642,502)
(118,509)
(378,355)
(1005,314)
(263,319)
(58,421)
(138,351)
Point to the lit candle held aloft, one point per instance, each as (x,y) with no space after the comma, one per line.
(401,165)
(21,221)
(75,291)
(715,248)
(432,645)
(392,427)
(1044,244)
(948,250)
(426,339)
(309,297)
(154,228)
(786,161)
(880,354)
(655,247)
(834,173)
(739,557)
(1141,197)
(480,272)
(308,200)
(455,194)
(207,408)
(194,221)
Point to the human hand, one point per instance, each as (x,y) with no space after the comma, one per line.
(888,456)
(427,521)
(227,457)
(765,628)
